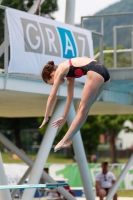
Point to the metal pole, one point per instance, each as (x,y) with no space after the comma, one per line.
(29,162)
(132,46)
(81,158)
(6,44)
(70,12)
(21,181)
(101,49)
(115,48)
(82,23)
(4,194)
(100,45)
(102,25)
(101,41)
(120,179)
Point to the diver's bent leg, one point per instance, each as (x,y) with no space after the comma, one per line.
(89,93)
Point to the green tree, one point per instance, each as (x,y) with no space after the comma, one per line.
(15,125)
(111,125)
(123,60)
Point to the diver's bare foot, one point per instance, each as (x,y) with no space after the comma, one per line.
(62,145)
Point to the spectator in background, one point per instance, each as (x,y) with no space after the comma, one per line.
(42,181)
(69,190)
(94,158)
(104,181)
(48,192)
(74,159)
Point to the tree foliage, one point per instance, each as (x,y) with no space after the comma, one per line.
(123,59)
(47,8)
(15,125)
(111,125)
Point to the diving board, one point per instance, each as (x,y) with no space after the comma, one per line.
(30,186)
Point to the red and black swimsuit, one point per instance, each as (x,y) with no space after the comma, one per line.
(77,72)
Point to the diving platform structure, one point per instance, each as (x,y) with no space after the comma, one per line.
(24,95)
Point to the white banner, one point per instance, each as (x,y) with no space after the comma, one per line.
(14,172)
(35,40)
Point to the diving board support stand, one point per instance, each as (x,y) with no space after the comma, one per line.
(81,158)
(4,194)
(120,179)
(26,174)
(41,158)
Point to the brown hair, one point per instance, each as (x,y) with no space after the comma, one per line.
(47,70)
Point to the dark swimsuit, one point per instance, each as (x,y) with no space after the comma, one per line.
(77,72)
(106,189)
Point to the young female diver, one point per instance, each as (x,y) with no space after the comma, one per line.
(97,77)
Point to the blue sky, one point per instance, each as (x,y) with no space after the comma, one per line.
(82,8)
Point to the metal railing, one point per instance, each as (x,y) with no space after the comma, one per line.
(117,44)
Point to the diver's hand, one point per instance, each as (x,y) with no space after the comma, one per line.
(59,122)
(62,145)
(44,122)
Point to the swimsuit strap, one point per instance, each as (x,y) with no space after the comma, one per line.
(70,62)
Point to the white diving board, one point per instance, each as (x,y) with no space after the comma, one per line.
(29,186)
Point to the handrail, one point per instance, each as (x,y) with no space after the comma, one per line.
(108,15)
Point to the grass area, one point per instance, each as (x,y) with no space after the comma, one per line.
(7,158)
(125,193)
(56,158)
(53,158)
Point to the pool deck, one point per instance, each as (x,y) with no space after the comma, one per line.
(83,198)
(97,198)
